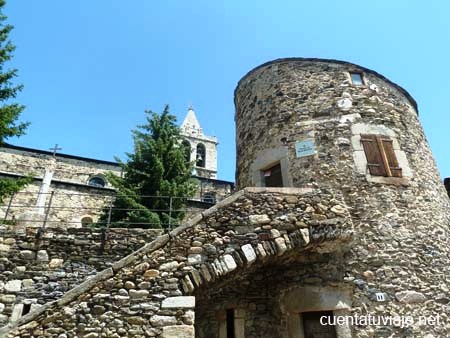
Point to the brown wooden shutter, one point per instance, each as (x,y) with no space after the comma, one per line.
(373,155)
(388,147)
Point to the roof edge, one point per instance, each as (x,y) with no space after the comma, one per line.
(290,59)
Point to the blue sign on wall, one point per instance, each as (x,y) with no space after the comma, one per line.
(304,148)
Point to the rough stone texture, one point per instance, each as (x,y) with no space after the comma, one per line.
(401,225)
(39,267)
(223,260)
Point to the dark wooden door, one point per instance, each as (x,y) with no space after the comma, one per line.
(314,329)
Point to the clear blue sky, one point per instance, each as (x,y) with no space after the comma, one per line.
(90,67)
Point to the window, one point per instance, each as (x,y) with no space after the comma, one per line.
(187,150)
(273,177)
(26,309)
(209,197)
(85,221)
(201,155)
(380,156)
(97,181)
(447,185)
(357,78)
(313,324)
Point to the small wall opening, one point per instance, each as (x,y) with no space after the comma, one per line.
(273,176)
(318,324)
(86,221)
(230,323)
(201,156)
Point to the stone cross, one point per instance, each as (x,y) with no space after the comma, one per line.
(55,149)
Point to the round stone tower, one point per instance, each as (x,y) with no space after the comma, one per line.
(336,125)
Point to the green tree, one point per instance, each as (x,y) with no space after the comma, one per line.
(9,111)
(155,170)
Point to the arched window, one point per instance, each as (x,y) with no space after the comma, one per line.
(97,181)
(85,221)
(201,155)
(209,197)
(187,150)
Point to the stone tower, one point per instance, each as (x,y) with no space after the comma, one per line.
(337,126)
(203,148)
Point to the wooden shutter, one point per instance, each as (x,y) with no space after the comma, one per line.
(388,148)
(373,155)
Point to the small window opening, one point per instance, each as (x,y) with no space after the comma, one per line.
(230,323)
(26,309)
(85,221)
(97,181)
(273,176)
(380,155)
(201,156)
(209,197)
(357,78)
(447,185)
(313,324)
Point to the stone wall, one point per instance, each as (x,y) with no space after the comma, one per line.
(153,291)
(38,267)
(70,204)
(401,224)
(70,169)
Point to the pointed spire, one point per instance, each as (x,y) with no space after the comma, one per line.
(190,125)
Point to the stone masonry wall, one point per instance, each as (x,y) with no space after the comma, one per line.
(38,267)
(67,169)
(70,204)
(151,293)
(401,224)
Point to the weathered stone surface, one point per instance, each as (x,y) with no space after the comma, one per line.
(410,297)
(178,331)
(259,219)
(42,256)
(138,294)
(162,320)
(13,286)
(178,302)
(249,253)
(55,263)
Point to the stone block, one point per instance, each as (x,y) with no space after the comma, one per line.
(249,253)
(178,302)
(259,219)
(169,266)
(13,286)
(194,259)
(42,256)
(138,294)
(410,297)
(178,331)
(157,320)
(229,262)
(56,263)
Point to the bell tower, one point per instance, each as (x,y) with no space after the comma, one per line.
(203,148)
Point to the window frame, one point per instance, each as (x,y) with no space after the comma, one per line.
(97,185)
(360,74)
(386,163)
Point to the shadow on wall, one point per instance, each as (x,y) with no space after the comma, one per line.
(447,185)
